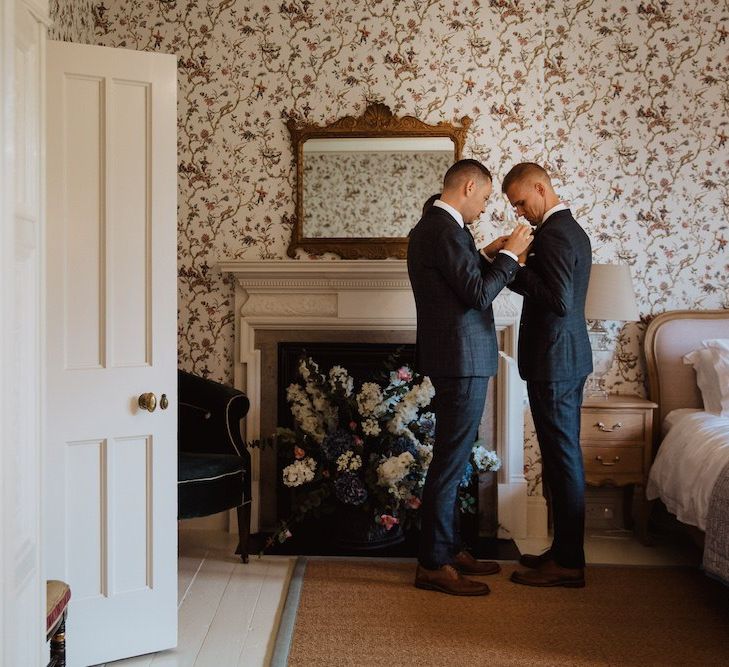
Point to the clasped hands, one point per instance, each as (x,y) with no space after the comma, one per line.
(517,242)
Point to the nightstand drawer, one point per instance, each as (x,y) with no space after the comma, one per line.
(612,461)
(612,425)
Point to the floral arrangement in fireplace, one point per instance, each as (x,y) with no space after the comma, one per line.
(366,449)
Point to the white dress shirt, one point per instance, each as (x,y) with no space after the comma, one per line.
(456,215)
(559,207)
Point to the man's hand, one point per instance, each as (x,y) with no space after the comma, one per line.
(523,256)
(519,240)
(492,248)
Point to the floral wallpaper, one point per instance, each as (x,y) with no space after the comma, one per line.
(625,104)
(73,21)
(369,194)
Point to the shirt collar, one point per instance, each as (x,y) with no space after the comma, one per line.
(559,207)
(456,215)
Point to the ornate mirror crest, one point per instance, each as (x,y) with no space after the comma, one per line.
(361,181)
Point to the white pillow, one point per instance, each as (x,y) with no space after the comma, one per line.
(722,369)
(712,376)
(716,343)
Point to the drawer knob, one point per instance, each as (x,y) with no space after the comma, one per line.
(616,426)
(602,462)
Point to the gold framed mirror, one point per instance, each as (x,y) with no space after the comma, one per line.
(361,182)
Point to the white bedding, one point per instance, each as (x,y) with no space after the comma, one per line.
(694,451)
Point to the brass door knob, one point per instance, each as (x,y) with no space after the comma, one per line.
(148,401)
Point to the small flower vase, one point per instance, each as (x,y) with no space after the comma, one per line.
(355,531)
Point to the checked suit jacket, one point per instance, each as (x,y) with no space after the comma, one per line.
(454,287)
(553,341)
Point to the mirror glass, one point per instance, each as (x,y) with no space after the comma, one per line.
(370,187)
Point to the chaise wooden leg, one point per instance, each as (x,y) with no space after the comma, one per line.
(244,530)
(58,645)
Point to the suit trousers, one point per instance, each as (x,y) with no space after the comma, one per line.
(458,407)
(556,407)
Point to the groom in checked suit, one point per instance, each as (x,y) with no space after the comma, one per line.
(555,359)
(454,287)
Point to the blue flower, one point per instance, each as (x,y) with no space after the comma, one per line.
(349,489)
(402,445)
(467,475)
(336,444)
(426,423)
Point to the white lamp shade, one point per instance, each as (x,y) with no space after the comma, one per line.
(610,294)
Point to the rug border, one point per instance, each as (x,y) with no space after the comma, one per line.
(285,634)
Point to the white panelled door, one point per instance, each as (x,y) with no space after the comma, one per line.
(22,585)
(111,488)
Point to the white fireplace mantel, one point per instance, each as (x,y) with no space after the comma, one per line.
(367,295)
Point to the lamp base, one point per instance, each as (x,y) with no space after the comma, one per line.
(595,387)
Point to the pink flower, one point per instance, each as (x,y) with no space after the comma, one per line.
(357,440)
(299,453)
(287,534)
(352,426)
(389,521)
(413,503)
(404,373)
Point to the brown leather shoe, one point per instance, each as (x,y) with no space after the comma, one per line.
(551,574)
(533,561)
(465,563)
(447,579)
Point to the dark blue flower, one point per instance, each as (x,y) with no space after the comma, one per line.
(349,488)
(467,476)
(427,426)
(402,445)
(335,444)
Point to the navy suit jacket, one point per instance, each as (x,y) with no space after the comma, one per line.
(553,341)
(454,287)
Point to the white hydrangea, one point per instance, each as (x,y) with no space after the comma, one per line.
(370,401)
(349,461)
(392,470)
(339,378)
(309,420)
(306,366)
(327,412)
(423,393)
(425,455)
(485,459)
(371,426)
(299,472)
(406,411)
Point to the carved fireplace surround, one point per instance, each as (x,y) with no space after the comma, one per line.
(370,296)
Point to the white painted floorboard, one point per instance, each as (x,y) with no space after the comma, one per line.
(228,611)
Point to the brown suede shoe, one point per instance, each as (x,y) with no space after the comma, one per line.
(447,579)
(551,574)
(533,561)
(465,563)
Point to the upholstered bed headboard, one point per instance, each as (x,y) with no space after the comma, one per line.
(671,335)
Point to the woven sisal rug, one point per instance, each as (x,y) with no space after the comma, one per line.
(365,612)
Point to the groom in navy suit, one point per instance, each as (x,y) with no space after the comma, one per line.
(454,286)
(554,359)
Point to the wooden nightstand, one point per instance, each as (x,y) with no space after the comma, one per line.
(616,436)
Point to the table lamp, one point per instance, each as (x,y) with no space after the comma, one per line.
(610,296)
